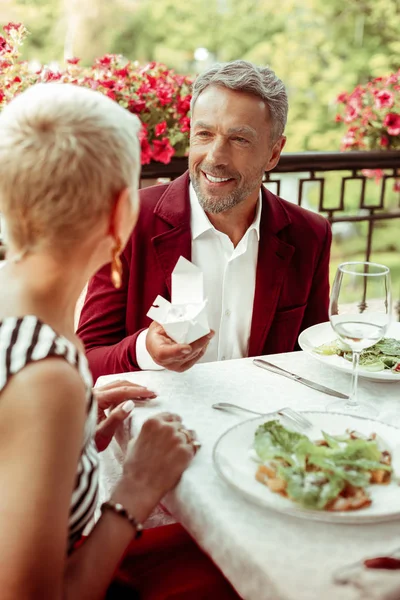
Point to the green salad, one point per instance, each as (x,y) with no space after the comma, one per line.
(382,355)
(328,474)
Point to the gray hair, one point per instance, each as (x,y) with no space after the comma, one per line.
(243,76)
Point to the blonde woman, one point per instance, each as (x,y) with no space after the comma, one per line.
(69,167)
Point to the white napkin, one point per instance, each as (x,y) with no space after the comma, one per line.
(372,584)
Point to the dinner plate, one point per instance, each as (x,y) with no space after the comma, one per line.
(320,334)
(233,462)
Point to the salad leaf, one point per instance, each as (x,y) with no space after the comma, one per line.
(311,490)
(382,355)
(273,440)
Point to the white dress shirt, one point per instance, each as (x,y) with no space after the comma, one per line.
(229,276)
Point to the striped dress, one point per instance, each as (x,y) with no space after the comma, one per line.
(25,340)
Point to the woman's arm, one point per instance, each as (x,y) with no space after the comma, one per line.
(42,414)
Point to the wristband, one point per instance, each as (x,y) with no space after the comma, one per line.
(122,512)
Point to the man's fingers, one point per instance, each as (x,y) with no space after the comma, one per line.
(202,342)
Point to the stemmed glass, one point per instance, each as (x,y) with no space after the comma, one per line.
(359,312)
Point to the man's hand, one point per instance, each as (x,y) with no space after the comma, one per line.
(169,354)
(117,396)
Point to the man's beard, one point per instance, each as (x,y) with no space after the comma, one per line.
(216,205)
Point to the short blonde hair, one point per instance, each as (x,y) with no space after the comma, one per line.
(65,154)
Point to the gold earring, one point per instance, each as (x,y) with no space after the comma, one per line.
(116,265)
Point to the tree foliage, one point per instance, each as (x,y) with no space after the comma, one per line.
(318,47)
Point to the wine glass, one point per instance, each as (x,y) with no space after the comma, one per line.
(359,312)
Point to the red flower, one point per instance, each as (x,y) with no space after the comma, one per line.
(13,27)
(73,61)
(160,128)
(185,124)
(145,148)
(396,188)
(384,99)
(183,105)
(164,94)
(2,96)
(123,73)
(136,106)
(342,98)
(105,61)
(162,150)
(4,45)
(384,141)
(392,123)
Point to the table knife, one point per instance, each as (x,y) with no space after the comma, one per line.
(263,364)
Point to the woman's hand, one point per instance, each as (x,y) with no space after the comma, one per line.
(154,463)
(117,396)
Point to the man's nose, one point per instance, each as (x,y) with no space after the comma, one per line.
(218,153)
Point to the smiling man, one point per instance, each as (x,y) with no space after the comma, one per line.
(265,260)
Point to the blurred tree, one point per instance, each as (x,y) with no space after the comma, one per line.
(318,47)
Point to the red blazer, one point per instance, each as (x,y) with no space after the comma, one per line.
(292,286)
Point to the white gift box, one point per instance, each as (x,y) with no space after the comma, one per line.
(184,319)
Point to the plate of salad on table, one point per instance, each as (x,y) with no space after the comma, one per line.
(380,362)
(344,469)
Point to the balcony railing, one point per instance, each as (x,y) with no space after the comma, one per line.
(336,185)
(363,211)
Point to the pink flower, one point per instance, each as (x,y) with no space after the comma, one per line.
(146,154)
(162,150)
(370,173)
(392,123)
(396,188)
(13,27)
(73,61)
(349,140)
(342,98)
(351,114)
(384,99)
(160,128)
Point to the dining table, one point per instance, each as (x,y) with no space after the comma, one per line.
(266,555)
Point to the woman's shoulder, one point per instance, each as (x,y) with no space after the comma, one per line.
(28,339)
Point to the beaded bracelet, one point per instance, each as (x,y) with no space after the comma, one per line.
(120,510)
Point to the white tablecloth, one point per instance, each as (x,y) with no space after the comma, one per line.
(265,555)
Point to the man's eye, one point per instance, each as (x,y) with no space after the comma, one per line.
(241,140)
(203,134)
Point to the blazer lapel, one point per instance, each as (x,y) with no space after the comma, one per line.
(274,257)
(173,235)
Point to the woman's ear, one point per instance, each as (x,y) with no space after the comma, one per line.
(124,215)
(276,153)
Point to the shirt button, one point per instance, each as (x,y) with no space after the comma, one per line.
(228,313)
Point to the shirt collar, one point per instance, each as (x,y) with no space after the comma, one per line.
(200,223)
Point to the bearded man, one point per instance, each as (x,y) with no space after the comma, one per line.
(265,261)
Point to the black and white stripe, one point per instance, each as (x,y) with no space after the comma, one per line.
(25,340)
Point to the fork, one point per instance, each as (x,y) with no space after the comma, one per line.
(287,412)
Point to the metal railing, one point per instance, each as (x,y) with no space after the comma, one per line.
(334,184)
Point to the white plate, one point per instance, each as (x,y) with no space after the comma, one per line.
(320,334)
(233,463)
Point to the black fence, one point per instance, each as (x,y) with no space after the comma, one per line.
(346,187)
